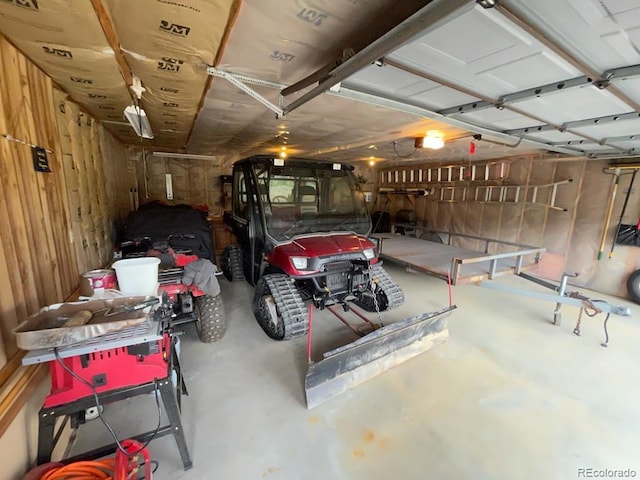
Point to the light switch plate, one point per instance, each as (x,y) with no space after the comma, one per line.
(169,184)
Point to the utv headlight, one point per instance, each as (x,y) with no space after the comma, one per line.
(299,263)
(369,253)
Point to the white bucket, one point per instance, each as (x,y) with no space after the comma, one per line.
(137,276)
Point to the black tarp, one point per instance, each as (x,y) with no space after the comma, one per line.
(188,227)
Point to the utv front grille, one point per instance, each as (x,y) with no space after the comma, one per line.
(336,281)
(337,278)
(332,267)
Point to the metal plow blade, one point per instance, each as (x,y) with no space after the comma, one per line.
(350,365)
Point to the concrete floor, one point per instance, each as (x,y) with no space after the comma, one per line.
(509,396)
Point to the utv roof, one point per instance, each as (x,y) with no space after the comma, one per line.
(296,162)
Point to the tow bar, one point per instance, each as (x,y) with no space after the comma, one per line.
(591,307)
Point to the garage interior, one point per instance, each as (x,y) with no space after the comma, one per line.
(534,108)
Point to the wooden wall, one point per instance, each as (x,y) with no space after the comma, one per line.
(571,232)
(98,178)
(53,225)
(195,182)
(38,261)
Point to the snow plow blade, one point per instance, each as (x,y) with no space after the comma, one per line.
(350,365)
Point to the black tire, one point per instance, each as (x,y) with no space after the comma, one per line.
(231,263)
(275,296)
(211,322)
(633,286)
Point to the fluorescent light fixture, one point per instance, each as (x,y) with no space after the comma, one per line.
(190,156)
(138,119)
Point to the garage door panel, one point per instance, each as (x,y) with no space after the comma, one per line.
(597,148)
(499,119)
(573,104)
(540,68)
(601,33)
(441,97)
(554,136)
(467,29)
(625,45)
(496,63)
(612,129)
(388,80)
(628,145)
(630,87)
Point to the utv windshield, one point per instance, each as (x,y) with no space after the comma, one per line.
(300,200)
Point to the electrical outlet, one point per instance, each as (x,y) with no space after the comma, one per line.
(100,380)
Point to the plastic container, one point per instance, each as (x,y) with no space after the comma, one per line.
(97,281)
(137,276)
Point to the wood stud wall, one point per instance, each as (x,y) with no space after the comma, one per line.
(38,263)
(53,226)
(195,182)
(91,214)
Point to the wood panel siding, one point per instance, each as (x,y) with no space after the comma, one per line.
(571,237)
(53,225)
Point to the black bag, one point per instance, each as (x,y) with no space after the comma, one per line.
(184,228)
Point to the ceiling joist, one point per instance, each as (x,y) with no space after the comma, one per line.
(112,38)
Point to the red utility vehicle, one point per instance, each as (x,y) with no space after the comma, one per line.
(302,230)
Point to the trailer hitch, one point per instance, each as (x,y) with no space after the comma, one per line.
(591,307)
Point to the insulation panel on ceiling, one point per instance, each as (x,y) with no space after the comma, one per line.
(168,45)
(65,39)
(285,41)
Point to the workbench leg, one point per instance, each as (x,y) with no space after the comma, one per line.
(182,387)
(46,428)
(173,412)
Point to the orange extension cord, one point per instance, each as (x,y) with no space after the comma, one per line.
(88,470)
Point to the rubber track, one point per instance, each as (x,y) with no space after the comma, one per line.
(289,304)
(392,290)
(234,256)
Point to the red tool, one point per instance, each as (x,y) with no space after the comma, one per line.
(108,370)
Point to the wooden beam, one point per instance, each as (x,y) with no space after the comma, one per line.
(112,38)
(233,17)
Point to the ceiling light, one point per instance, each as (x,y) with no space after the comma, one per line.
(372,162)
(433,140)
(283,154)
(138,119)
